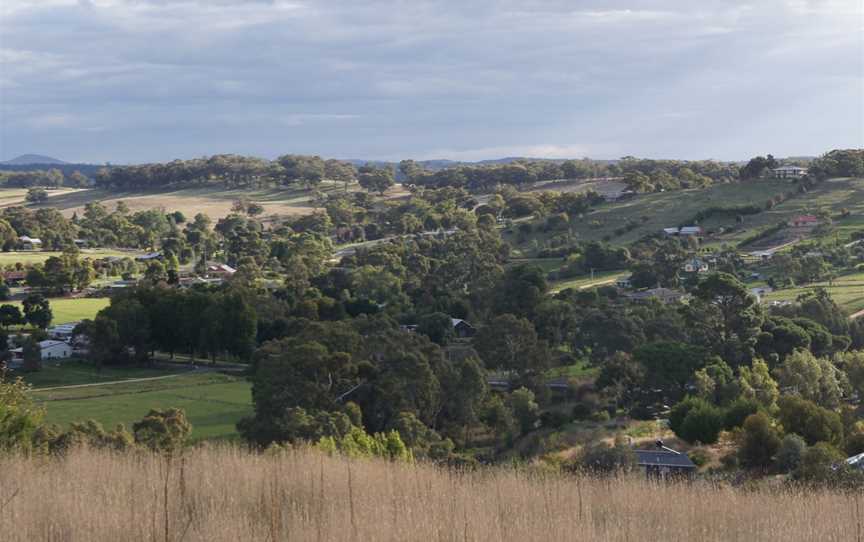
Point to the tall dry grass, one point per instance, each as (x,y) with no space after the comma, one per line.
(228,494)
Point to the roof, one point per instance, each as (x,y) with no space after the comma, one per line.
(856,461)
(662,458)
(150,256)
(805,218)
(50,344)
(457,321)
(26,239)
(691,229)
(225,268)
(670,231)
(790,168)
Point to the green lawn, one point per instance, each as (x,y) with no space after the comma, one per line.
(847,291)
(74,309)
(39,256)
(213,402)
(577,370)
(71,372)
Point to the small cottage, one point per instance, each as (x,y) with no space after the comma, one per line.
(663,462)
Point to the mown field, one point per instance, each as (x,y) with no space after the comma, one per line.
(213,402)
(847,291)
(73,309)
(227,493)
(33,256)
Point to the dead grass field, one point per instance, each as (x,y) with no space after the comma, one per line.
(226,494)
(212,200)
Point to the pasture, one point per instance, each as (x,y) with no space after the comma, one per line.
(650,213)
(214,201)
(847,291)
(214,402)
(226,493)
(27,257)
(67,309)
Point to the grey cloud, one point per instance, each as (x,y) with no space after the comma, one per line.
(155,80)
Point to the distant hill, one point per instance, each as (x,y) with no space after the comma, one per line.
(30,159)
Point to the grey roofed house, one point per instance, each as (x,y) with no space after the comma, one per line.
(856,461)
(461,328)
(663,461)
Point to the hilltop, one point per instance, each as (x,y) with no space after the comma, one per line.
(30,159)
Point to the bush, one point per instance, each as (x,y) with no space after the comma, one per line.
(604,459)
(760,441)
(702,424)
(817,463)
(738,411)
(553,419)
(789,454)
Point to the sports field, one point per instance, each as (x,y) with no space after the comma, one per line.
(73,309)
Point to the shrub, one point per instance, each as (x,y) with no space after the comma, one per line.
(789,454)
(604,459)
(760,441)
(817,463)
(702,424)
(738,411)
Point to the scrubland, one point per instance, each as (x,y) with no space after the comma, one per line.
(226,493)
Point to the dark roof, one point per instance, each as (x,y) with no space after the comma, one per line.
(663,459)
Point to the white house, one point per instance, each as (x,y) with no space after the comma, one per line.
(789,172)
(30,243)
(62,332)
(50,349)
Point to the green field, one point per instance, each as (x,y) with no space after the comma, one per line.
(847,291)
(213,402)
(652,212)
(39,256)
(72,372)
(74,309)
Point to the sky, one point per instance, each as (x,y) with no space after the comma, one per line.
(132,81)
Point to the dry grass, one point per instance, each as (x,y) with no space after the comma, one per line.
(227,494)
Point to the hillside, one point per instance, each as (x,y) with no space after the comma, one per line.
(28,159)
(650,213)
(227,494)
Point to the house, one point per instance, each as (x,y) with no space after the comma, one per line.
(50,349)
(804,221)
(150,256)
(624,283)
(690,230)
(856,461)
(789,172)
(664,462)
(664,295)
(462,329)
(671,231)
(62,332)
(220,270)
(14,277)
(29,243)
(696,266)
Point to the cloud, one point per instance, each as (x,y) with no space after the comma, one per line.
(159,79)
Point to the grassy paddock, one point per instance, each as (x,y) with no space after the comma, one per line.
(73,373)
(847,291)
(39,256)
(213,402)
(227,494)
(73,309)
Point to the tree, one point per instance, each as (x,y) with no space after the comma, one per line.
(10,315)
(375,179)
(19,415)
(32,354)
(817,463)
(790,452)
(812,422)
(525,409)
(163,430)
(761,441)
(37,311)
(702,424)
(670,365)
(437,326)
(814,379)
(511,343)
(36,195)
(729,317)
(756,384)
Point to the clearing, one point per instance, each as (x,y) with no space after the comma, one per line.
(215,201)
(38,256)
(847,291)
(70,309)
(213,402)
